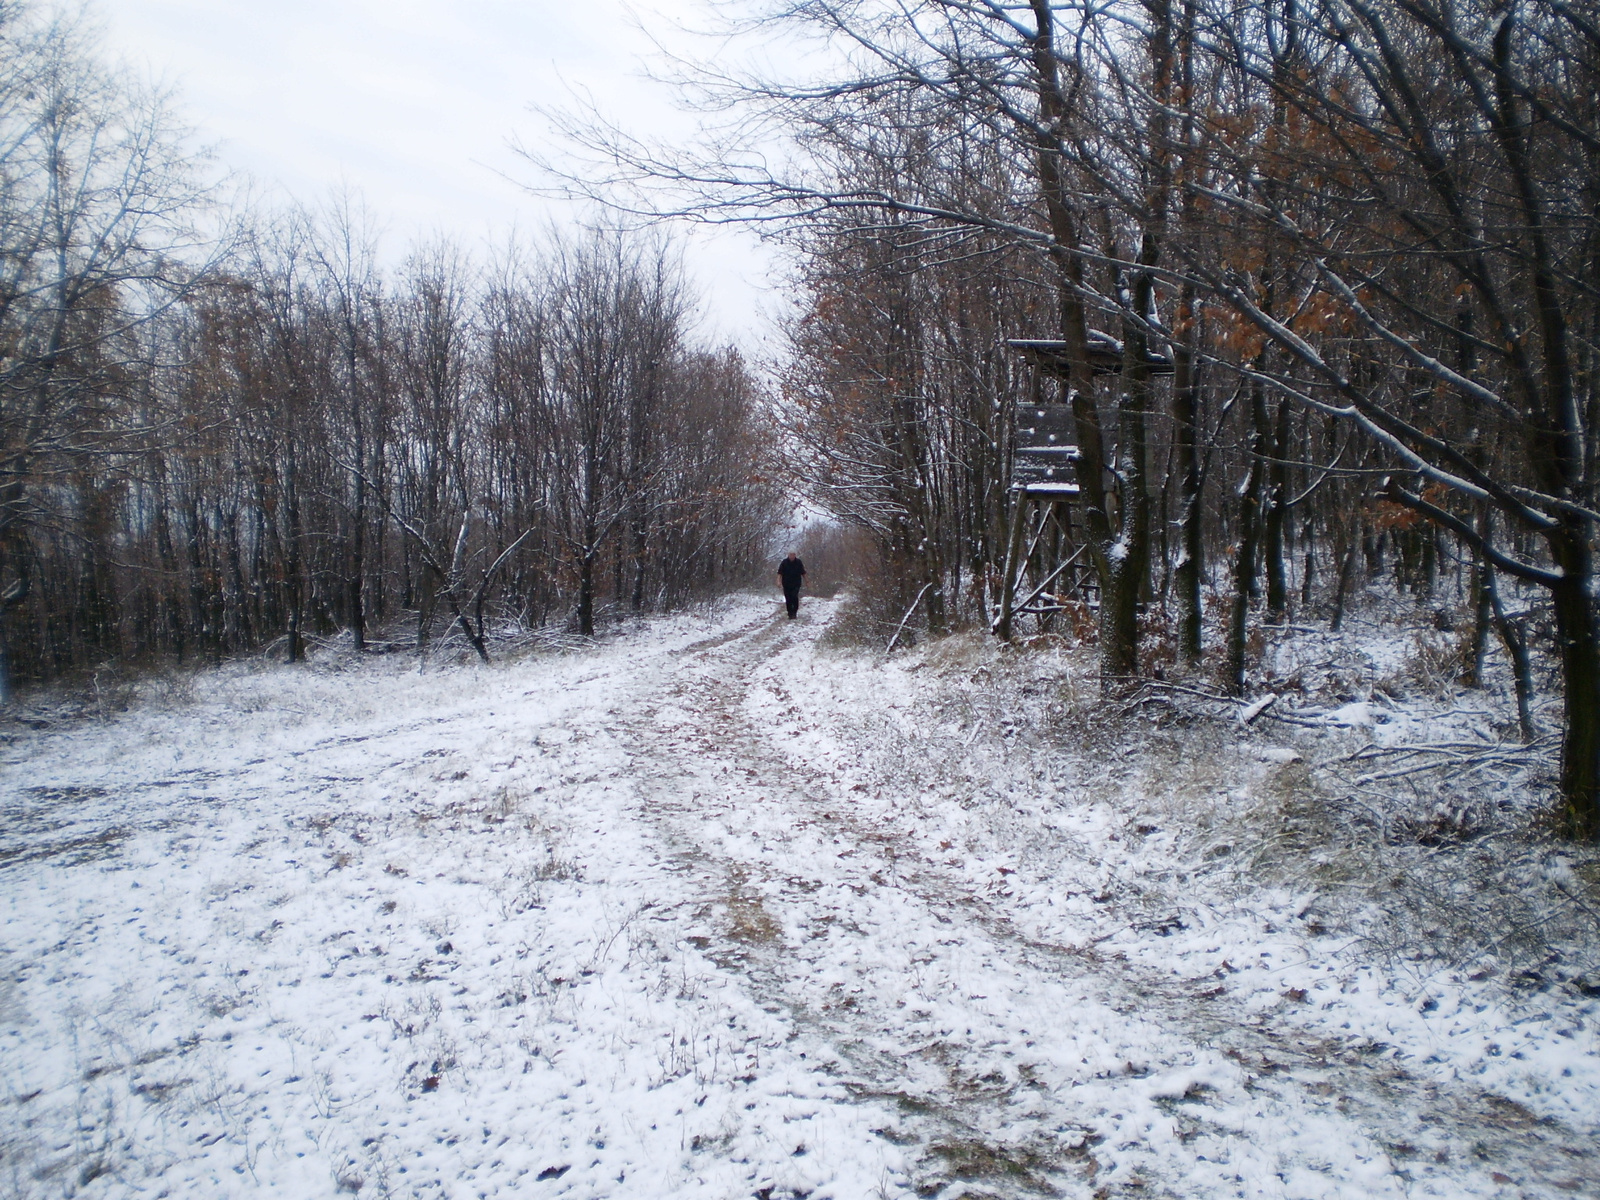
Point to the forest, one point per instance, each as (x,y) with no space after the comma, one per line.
(1347,252)
(225,433)
(1179,775)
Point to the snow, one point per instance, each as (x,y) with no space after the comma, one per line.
(713,909)
(1357,713)
(1256,707)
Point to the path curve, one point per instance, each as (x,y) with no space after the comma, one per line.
(1019,1066)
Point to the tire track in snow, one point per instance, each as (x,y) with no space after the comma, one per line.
(999,1062)
(449,974)
(687,762)
(829,918)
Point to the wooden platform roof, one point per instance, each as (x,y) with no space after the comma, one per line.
(1105,355)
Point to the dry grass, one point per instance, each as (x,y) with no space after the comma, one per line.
(1452,867)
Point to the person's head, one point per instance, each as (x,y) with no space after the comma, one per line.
(793,556)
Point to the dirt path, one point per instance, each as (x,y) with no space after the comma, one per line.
(1017,1066)
(715,919)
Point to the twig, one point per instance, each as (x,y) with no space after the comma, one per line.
(1461,752)
(901,627)
(1466,764)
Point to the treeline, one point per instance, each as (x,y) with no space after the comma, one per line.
(902,393)
(214,439)
(1362,235)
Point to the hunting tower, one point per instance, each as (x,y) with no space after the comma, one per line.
(1044,550)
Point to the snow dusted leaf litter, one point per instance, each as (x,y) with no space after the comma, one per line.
(710,910)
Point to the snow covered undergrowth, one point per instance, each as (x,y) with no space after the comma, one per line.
(711,911)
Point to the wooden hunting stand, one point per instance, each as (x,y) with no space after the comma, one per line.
(1044,490)
(1042,533)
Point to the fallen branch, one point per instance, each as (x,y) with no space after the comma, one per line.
(899,629)
(1255,708)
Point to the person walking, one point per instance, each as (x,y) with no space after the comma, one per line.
(790,572)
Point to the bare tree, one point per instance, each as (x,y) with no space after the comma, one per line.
(613,313)
(343,250)
(99,199)
(1433,180)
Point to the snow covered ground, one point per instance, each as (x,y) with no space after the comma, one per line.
(716,910)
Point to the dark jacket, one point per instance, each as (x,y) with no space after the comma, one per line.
(791,571)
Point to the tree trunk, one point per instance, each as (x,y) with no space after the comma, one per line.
(168,558)
(1308,576)
(641,543)
(1274,516)
(1514,637)
(9,599)
(356,580)
(1130,554)
(199,593)
(1347,574)
(236,615)
(1233,661)
(1016,532)
(1244,565)
(425,604)
(933,569)
(1185,420)
(1476,649)
(1091,465)
(1577,614)
(294,588)
(586,594)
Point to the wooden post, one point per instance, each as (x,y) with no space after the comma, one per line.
(1008,584)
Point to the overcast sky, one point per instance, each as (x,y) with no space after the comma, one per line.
(414,104)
